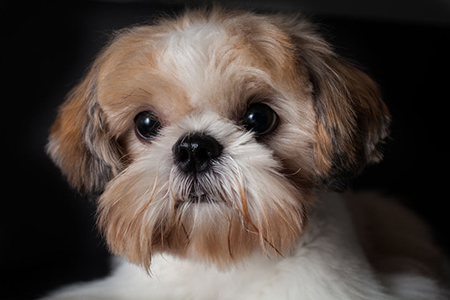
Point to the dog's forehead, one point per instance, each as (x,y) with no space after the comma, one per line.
(196,60)
(203,65)
(213,67)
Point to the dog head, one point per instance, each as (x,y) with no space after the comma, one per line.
(207,136)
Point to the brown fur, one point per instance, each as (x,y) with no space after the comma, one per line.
(78,142)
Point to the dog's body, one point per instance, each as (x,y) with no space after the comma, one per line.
(212,140)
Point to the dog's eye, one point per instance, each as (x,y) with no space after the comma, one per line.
(260,119)
(146,125)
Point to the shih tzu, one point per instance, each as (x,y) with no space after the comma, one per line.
(213,142)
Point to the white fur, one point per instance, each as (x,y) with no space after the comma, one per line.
(327,264)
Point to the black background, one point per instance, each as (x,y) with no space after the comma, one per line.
(48,234)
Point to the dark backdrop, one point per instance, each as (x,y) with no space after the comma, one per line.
(48,234)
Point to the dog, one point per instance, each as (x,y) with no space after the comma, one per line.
(215,144)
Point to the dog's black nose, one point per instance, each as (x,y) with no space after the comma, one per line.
(193,153)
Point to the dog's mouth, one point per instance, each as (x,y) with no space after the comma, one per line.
(198,194)
(197,197)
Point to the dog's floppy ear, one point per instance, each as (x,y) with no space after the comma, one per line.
(352,119)
(79,143)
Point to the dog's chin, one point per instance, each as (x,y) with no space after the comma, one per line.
(200,198)
(209,231)
(220,218)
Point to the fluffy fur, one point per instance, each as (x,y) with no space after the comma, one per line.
(253,226)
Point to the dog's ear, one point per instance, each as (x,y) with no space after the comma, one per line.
(352,119)
(79,143)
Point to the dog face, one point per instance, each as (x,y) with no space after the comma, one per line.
(207,136)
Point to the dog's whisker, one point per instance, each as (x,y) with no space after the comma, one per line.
(293,174)
(273,247)
(150,197)
(240,184)
(188,238)
(230,224)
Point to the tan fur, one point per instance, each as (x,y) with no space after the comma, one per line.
(199,73)
(77,140)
